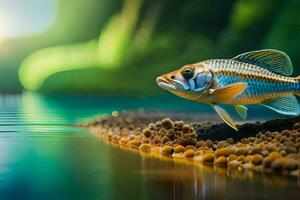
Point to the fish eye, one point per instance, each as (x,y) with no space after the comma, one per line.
(187,73)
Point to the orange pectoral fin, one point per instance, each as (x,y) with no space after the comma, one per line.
(227,93)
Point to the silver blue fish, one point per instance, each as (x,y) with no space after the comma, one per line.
(256,77)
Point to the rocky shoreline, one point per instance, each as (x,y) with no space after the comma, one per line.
(271,146)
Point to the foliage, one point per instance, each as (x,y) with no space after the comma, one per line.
(139,40)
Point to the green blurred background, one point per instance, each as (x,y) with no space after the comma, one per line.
(118,47)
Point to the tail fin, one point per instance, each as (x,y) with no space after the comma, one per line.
(297,91)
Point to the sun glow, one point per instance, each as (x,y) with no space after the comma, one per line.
(23,18)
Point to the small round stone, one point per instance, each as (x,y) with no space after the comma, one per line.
(290,164)
(241,158)
(189,153)
(209,143)
(165,139)
(242,151)
(277,164)
(208,157)
(226,151)
(152,126)
(234,164)
(156,140)
(290,149)
(124,141)
(230,140)
(186,128)
(145,148)
(167,150)
(200,143)
(135,143)
(179,149)
(232,157)
(147,132)
(167,123)
(222,144)
(221,161)
(257,159)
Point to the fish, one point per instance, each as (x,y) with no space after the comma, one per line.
(262,77)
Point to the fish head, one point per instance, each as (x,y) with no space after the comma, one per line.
(190,82)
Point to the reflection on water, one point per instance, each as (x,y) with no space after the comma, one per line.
(42,156)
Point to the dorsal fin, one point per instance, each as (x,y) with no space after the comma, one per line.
(273,60)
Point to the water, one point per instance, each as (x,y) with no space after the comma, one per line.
(43,156)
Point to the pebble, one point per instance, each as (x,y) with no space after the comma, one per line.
(147,132)
(234,164)
(179,149)
(257,159)
(242,151)
(124,141)
(265,151)
(232,157)
(277,164)
(221,161)
(145,148)
(208,157)
(167,123)
(290,164)
(189,153)
(226,151)
(167,150)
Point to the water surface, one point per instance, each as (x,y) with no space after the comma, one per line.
(43,156)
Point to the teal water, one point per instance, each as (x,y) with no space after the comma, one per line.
(43,156)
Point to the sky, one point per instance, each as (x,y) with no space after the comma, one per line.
(21,18)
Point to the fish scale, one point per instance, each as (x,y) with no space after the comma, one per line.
(262,83)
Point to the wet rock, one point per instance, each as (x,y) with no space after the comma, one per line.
(165,139)
(222,144)
(167,150)
(226,151)
(241,158)
(232,157)
(290,164)
(221,161)
(246,167)
(277,164)
(124,141)
(189,153)
(230,140)
(145,148)
(290,149)
(134,143)
(156,140)
(242,151)
(209,143)
(167,123)
(234,164)
(190,147)
(179,149)
(146,141)
(257,159)
(186,128)
(147,132)
(208,157)
(200,143)
(256,150)
(152,126)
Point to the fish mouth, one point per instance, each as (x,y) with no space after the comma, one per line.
(165,83)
